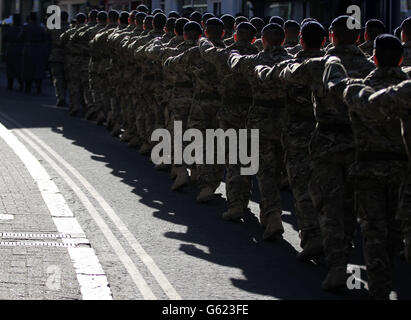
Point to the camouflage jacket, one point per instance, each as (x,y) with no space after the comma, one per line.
(333,132)
(291,43)
(368,48)
(65,40)
(57,54)
(203,73)
(294,50)
(234,87)
(407,54)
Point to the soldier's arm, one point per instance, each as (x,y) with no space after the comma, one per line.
(267,73)
(211,53)
(242,64)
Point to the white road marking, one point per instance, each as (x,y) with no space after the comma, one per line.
(133,242)
(6,217)
(134,273)
(92,286)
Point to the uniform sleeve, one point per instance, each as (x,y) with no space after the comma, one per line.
(242,64)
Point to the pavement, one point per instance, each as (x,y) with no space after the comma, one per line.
(82,216)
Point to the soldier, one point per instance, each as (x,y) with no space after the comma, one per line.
(292,31)
(373,28)
(174,14)
(300,123)
(259,24)
(169,30)
(119,71)
(182,95)
(267,115)
(70,71)
(125,24)
(297,48)
(34,58)
(406,39)
(230,41)
(332,148)
(277,20)
(380,164)
(391,103)
(229,22)
(97,45)
(130,79)
(236,101)
(86,37)
(206,102)
(129,46)
(56,60)
(14,49)
(204,19)
(196,17)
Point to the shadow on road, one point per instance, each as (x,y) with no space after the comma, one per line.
(269,269)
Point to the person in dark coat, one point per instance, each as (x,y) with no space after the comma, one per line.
(34,53)
(14,48)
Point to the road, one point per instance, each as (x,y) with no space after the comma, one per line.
(148,242)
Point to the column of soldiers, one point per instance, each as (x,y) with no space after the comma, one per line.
(332,116)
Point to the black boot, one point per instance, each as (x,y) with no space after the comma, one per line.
(10,83)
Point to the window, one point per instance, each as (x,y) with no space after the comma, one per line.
(217,8)
(197,5)
(279,8)
(248,9)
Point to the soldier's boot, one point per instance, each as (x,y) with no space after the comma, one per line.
(335,279)
(116,130)
(100,119)
(145,149)
(126,136)
(109,121)
(235,213)
(194,173)
(173,173)
(182,179)
(312,249)
(61,103)
(274,227)
(91,114)
(162,167)
(206,194)
(134,142)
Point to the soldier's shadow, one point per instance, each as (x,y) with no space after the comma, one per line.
(267,269)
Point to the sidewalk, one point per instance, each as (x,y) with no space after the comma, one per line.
(34,262)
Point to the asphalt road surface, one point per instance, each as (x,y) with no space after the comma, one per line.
(151,242)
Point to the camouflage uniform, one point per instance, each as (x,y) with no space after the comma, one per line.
(101,96)
(331,151)
(267,115)
(368,48)
(294,50)
(57,62)
(70,70)
(131,83)
(299,125)
(80,41)
(236,99)
(392,103)
(204,108)
(377,174)
(407,54)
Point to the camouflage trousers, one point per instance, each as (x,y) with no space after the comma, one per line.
(59,81)
(148,109)
(333,198)
(75,89)
(203,116)
(376,203)
(85,84)
(297,164)
(238,187)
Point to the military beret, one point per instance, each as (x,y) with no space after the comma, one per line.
(375,23)
(215,22)
(102,15)
(247,26)
(148,18)
(273,26)
(406,24)
(228,18)
(388,42)
(308,20)
(292,24)
(278,20)
(342,22)
(124,16)
(206,16)
(193,26)
(93,13)
(196,16)
(81,17)
(155,11)
(179,26)
(312,27)
(240,19)
(174,14)
(142,8)
(258,23)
